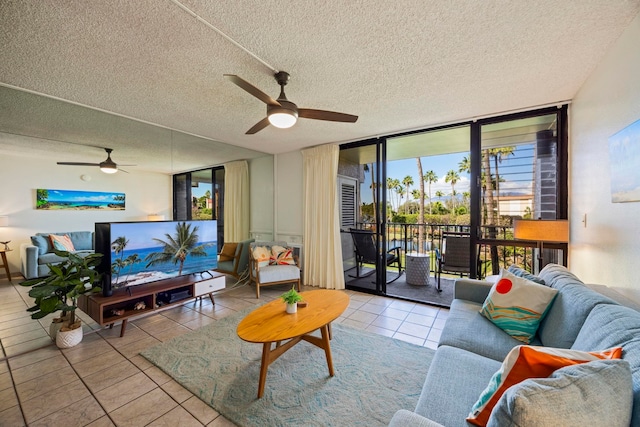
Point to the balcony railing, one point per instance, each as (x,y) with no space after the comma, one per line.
(496,247)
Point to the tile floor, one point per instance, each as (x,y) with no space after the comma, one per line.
(108,383)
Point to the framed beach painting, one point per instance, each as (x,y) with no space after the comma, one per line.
(624,156)
(79,200)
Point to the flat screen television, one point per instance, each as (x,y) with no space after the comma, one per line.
(135,253)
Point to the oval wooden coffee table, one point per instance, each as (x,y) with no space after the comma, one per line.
(270,324)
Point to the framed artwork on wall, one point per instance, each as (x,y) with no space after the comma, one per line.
(624,156)
(79,200)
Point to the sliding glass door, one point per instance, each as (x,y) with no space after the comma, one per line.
(469,180)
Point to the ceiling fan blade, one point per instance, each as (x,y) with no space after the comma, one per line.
(77,164)
(258,126)
(331,116)
(122,170)
(252,90)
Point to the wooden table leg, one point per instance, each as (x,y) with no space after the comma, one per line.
(212,301)
(266,349)
(327,347)
(5,264)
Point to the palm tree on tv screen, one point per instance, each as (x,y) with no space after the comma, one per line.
(178,247)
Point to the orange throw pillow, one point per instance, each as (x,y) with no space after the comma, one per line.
(525,362)
(62,243)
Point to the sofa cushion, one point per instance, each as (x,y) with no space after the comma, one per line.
(82,240)
(52,258)
(516,305)
(42,242)
(557,276)
(278,273)
(525,362)
(454,381)
(571,307)
(595,393)
(520,272)
(486,339)
(614,325)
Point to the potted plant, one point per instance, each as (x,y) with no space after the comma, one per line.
(291,298)
(60,291)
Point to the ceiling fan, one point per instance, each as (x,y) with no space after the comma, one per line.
(106,166)
(281,112)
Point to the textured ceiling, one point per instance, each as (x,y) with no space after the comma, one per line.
(398,65)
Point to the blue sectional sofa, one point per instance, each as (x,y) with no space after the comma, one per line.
(472,349)
(34,257)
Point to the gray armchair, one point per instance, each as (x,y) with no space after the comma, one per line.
(266,275)
(240,261)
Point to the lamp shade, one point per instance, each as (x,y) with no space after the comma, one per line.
(155,217)
(4,221)
(542,230)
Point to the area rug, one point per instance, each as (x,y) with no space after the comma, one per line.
(374,376)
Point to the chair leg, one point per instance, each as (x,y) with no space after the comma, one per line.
(298,285)
(257,290)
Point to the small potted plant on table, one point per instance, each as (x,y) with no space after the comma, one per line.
(60,291)
(292,298)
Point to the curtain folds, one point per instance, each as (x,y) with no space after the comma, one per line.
(236,201)
(322,245)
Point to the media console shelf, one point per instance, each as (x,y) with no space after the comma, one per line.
(137,300)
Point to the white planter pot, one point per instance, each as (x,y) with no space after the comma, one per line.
(54,328)
(292,308)
(68,339)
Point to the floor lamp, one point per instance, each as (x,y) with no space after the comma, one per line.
(541,231)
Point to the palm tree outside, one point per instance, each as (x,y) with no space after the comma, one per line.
(408,182)
(430,177)
(452,178)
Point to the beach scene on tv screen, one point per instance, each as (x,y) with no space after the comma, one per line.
(150,251)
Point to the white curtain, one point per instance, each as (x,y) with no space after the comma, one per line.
(322,246)
(236,201)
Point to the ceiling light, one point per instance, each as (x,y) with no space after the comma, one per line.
(108,167)
(282,118)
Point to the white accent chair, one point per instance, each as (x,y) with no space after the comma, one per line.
(267,275)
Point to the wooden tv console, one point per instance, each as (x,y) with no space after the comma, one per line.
(149,297)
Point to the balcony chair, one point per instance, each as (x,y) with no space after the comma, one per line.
(454,257)
(272,270)
(365,246)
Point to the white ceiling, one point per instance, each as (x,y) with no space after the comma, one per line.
(398,65)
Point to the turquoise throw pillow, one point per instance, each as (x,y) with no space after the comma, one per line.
(517,305)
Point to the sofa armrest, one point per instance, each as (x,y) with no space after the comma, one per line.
(29,260)
(471,290)
(404,418)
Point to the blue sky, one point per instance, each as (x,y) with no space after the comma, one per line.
(398,169)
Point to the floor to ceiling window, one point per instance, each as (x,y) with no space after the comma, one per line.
(199,195)
(471,179)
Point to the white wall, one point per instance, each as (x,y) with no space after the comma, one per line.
(145,193)
(607,250)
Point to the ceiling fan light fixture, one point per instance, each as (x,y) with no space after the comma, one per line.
(282,118)
(108,167)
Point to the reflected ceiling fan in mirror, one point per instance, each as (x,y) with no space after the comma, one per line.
(281,112)
(106,166)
